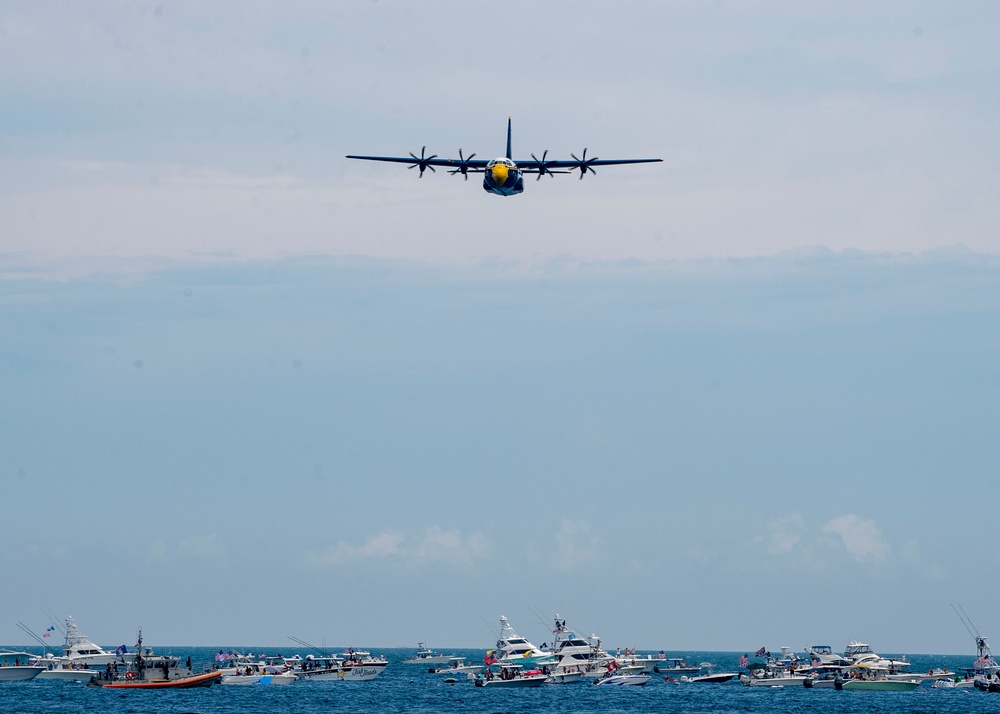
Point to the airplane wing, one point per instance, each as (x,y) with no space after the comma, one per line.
(460,165)
(583,165)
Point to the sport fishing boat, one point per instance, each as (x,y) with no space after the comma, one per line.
(514,649)
(353,666)
(575,655)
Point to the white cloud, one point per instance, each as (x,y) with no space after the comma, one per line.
(860,536)
(433,545)
(205,547)
(575,544)
(785,533)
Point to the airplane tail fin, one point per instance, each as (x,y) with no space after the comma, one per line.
(508,139)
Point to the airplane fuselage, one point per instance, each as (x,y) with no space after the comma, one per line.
(502,177)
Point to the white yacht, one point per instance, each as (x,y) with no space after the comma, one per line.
(576,655)
(860,654)
(514,649)
(427,656)
(82,651)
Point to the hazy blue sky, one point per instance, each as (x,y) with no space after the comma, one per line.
(747,396)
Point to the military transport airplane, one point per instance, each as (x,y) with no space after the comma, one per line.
(504,176)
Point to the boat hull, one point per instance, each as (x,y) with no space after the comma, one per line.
(719,678)
(624,680)
(68,675)
(772,681)
(19,673)
(358,673)
(258,679)
(516,682)
(883,685)
(198,680)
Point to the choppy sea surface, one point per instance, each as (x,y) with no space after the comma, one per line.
(410,688)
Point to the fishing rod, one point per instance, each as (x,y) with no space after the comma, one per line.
(303,643)
(36,638)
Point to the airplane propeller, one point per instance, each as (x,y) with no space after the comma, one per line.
(584,164)
(463,165)
(543,165)
(422,162)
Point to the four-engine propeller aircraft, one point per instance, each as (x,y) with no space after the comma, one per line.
(504,176)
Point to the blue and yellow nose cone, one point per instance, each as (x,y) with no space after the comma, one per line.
(499,173)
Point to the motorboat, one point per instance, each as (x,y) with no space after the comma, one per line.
(456,666)
(249,670)
(15,667)
(63,669)
(823,655)
(874,680)
(614,679)
(510,675)
(710,676)
(427,656)
(785,670)
(352,666)
(514,649)
(958,682)
(674,667)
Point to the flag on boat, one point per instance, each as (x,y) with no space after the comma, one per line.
(527,654)
(612,665)
(760,652)
(744,661)
(119,651)
(816,663)
(491,657)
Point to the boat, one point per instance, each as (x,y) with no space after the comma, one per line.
(860,654)
(823,655)
(205,679)
(623,680)
(81,650)
(565,677)
(20,670)
(63,669)
(710,677)
(877,682)
(576,655)
(352,666)
(785,670)
(514,649)
(457,666)
(958,682)
(674,667)
(426,656)
(247,670)
(510,675)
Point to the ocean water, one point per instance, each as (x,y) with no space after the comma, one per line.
(410,688)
